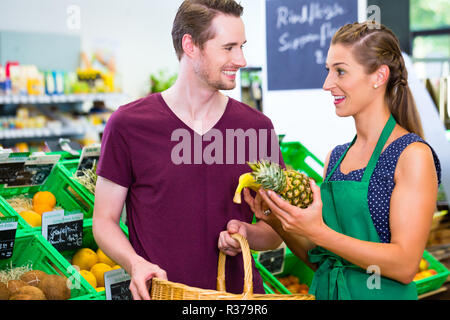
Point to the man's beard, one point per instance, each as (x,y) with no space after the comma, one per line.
(204,75)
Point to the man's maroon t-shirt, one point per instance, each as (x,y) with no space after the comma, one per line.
(178,200)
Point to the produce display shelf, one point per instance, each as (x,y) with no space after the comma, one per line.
(64,190)
(32,250)
(436,281)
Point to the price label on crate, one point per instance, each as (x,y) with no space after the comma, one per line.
(8,227)
(63,231)
(23,169)
(117,283)
(89,158)
(273,260)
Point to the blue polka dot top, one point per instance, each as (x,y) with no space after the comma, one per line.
(381,183)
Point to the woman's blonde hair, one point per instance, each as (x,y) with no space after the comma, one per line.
(374,45)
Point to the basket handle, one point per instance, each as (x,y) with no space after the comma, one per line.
(248,276)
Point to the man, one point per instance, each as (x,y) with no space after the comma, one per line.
(179,204)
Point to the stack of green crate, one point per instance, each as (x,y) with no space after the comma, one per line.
(298,157)
(32,250)
(66,169)
(89,242)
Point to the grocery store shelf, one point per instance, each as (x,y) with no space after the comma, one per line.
(12,136)
(63,98)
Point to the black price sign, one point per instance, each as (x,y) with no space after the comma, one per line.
(8,227)
(117,283)
(64,232)
(273,260)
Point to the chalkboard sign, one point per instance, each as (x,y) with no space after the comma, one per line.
(273,260)
(8,227)
(117,283)
(64,232)
(298,35)
(89,158)
(23,169)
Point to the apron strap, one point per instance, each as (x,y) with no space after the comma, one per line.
(339,161)
(387,130)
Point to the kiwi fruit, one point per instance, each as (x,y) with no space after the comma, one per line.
(28,293)
(14,285)
(54,287)
(4,292)
(33,277)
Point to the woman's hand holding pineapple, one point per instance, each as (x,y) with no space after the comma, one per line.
(306,222)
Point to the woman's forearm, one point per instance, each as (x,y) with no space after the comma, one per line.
(391,259)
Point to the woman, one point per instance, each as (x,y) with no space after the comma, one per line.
(367,228)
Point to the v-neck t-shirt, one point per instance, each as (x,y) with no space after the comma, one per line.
(179,201)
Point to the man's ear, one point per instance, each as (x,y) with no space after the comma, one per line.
(188,45)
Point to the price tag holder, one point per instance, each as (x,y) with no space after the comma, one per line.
(23,169)
(117,283)
(273,260)
(63,231)
(89,158)
(8,227)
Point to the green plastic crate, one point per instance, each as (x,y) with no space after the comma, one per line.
(66,170)
(434,282)
(31,248)
(55,183)
(89,242)
(300,158)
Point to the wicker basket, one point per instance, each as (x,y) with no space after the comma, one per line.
(167,290)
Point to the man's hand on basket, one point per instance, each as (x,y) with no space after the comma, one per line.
(226,243)
(141,278)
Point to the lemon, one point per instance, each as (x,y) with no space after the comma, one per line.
(89,277)
(100,289)
(32,218)
(102,257)
(423,265)
(85,258)
(116,267)
(98,270)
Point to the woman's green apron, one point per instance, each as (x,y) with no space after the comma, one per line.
(345,210)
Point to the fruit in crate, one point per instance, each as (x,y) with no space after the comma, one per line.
(24,283)
(98,270)
(31,209)
(44,198)
(290,184)
(93,265)
(85,258)
(102,257)
(292,283)
(424,274)
(34,219)
(55,287)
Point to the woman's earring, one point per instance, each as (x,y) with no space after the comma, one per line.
(375,86)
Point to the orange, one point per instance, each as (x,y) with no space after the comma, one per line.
(89,277)
(32,218)
(98,270)
(41,208)
(44,197)
(116,267)
(102,257)
(85,258)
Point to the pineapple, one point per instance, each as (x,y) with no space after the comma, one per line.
(290,184)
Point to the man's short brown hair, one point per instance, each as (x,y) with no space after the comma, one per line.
(194,17)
